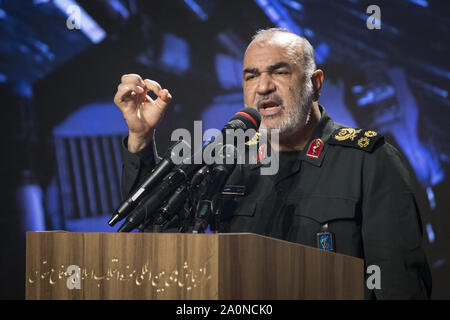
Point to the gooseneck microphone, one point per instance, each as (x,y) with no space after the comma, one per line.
(176,201)
(148,206)
(219,177)
(220,172)
(244,119)
(158,173)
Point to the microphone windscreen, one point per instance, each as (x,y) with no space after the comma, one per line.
(249,116)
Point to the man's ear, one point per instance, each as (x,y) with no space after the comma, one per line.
(317,81)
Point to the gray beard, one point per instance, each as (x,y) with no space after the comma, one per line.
(297,117)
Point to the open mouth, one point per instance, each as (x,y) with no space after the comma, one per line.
(269,107)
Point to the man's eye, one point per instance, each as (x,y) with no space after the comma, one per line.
(282,72)
(250,77)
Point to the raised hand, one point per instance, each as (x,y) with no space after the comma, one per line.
(142,114)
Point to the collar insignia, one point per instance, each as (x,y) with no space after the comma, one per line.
(262,152)
(315,148)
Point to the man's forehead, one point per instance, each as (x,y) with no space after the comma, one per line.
(279,38)
(272,50)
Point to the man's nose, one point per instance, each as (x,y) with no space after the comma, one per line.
(265,84)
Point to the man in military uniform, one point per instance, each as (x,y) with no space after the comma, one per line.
(337,188)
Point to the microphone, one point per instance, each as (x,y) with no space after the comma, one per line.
(168,211)
(244,119)
(158,173)
(146,208)
(219,176)
(176,201)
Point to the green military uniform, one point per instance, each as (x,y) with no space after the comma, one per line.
(349,183)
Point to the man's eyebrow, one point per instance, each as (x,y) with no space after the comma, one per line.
(275,66)
(250,70)
(278,65)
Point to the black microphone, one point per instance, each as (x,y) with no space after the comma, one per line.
(176,201)
(220,173)
(158,173)
(146,208)
(170,209)
(244,119)
(219,176)
(171,206)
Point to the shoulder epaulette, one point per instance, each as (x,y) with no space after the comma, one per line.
(357,138)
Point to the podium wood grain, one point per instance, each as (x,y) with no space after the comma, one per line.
(186,266)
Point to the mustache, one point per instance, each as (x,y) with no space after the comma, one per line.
(273,97)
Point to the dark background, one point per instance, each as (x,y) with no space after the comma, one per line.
(61,131)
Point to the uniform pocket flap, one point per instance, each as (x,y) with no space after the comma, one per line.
(246,208)
(324,209)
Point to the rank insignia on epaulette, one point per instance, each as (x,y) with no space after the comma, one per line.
(357,138)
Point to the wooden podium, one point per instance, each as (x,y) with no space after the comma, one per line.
(67,265)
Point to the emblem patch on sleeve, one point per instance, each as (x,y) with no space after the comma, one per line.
(356,138)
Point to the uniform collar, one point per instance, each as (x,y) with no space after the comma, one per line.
(322,131)
(319,138)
